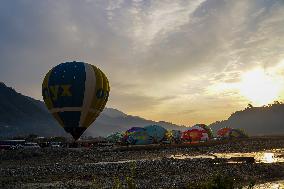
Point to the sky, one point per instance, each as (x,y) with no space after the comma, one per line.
(182,61)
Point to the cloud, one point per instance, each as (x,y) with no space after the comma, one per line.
(158,55)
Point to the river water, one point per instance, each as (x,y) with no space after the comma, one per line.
(266,156)
(269,156)
(271,185)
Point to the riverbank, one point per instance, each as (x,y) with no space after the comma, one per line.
(152,168)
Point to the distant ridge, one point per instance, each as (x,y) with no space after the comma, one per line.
(266,120)
(23,115)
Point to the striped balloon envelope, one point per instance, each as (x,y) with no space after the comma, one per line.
(75,93)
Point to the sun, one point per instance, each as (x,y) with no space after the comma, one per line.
(259,87)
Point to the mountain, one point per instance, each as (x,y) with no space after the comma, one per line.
(266,120)
(22,115)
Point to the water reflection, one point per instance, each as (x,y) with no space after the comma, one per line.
(186,156)
(272,156)
(268,158)
(273,185)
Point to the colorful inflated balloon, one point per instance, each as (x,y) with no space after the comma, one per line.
(155,133)
(231,133)
(224,132)
(207,128)
(239,133)
(115,137)
(137,136)
(176,134)
(75,93)
(173,135)
(130,132)
(195,134)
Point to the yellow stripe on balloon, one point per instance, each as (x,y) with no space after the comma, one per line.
(89,119)
(47,98)
(57,117)
(101,101)
(106,89)
(99,85)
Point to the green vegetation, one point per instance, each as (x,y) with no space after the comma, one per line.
(221,182)
(120,183)
(217,182)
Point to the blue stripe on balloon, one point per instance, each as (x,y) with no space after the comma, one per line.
(70,119)
(69,73)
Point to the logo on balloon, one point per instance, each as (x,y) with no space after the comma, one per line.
(57,91)
(101,94)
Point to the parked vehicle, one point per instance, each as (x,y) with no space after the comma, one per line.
(31,145)
(55,144)
(11,144)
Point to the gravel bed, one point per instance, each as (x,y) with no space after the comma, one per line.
(91,168)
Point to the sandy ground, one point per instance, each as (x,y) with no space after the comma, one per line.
(151,168)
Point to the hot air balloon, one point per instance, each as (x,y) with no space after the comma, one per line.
(137,136)
(173,136)
(130,132)
(115,137)
(75,93)
(224,132)
(231,133)
(155,133)
(238,133)
(195,134)
(207,128)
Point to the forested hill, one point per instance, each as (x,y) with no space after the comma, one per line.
(266,120)
(22,115)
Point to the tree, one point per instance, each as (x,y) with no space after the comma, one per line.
(250,106)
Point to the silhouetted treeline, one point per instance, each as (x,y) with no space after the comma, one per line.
(265,120)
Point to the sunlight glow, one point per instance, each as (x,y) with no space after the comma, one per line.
(259,87)
(268,158)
